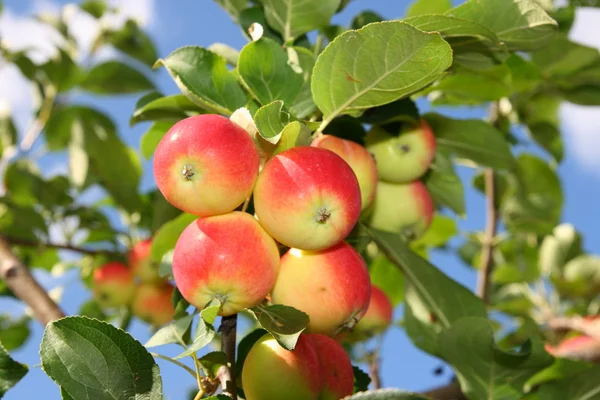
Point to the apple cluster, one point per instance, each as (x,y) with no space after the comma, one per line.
(402,202)
(137,285)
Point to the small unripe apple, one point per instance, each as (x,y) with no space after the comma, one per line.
(377,318)
(152,303)
(405,157)
(336,368)
(307,198)
(271,372)
(113,285)
(404,208)
(581,347)
(140,262)
(359,159)
(206,165)
(332,286)
(227,257)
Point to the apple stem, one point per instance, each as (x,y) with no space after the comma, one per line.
(226,374)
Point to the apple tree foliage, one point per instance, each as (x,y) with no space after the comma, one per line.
(299,74)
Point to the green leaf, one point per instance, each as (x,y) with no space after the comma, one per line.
(161,211)
(210,312)
(27,188)
(519,24)
(253,15)
(446,299)
(8,132)
(421,325)
(133,41)
(361,380)
(441,230)
(114,77)
(96,8)
(63,71)
(283,322)
(424,7)
(563,58)
(293,134)
(385,394)
(404,110)
(204,78)
(265,70)
(292,18)
(444,185)
(344,83)
(483,370)
(166,237)
(558,248)
(227,52)
(212,361)
(13,332)
(90,359)
(92,309)
(203,335)
(11,372)
(561,368)
(21,222)
(153,136)
(175,332)
(154,107)
(270,121)
(472,139)
(233,7)
(304,104)
(387,277)
(525,74)
(549,138)
(365,18)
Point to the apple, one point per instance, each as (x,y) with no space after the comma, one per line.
(206,165)
(580,347)
(359,159)
(377,318)
(307,198)
(152,303)
(336,368)
(113,284)
(140,262)
(229,258)
(404,157)
(271,372)
(404,208)
(332,286)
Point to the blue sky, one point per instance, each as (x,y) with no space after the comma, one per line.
(176,23)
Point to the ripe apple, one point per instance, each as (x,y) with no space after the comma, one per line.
(405,208)
(405,157)
(152,303)
(227,257)
(271,372)
(359,159)
(113,285)
(580,347)
(140,262)
(332,286)
(206,165)
(336,368)
(307,198)
(377,318)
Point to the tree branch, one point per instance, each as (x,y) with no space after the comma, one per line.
(448,392)
(374,366)
(25,287)
(226,374)
(33,243)
(487,260)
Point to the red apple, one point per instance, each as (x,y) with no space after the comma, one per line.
(113,285)
(141,263)
(404,208)
(152,303)
(336,368)
(377,318)
(580,347)
(359,159)
(332,286)
(271,372)
(307,198)
(405,157)
(206,165)
(227,257)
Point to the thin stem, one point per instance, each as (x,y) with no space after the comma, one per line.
(318,44)
(487,260)
(198,375)
(246,202)
(38,124)
(226,373)
(33,243)
(199,394)
(182,365)
(374,368)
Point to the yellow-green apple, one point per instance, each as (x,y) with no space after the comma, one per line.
(307,197)
(140,262)
(359,159)
(377,318)
(404,208)
(404,157)
(152,303)
(206,165)
(580,347)
(271,372)
(332,286)
(229,258)
(113,284)
(336,368)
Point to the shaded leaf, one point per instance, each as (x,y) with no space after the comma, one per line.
(166,237)
(283,322)
(361,380)
(133,41)
(444,185)
(11,372)
(153,136)
(14,332)
(203,335)
(304,104)
(270,121)
(292,18)
(387,277)
(365,18)
(114,77)
(154,106)
(172,333)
